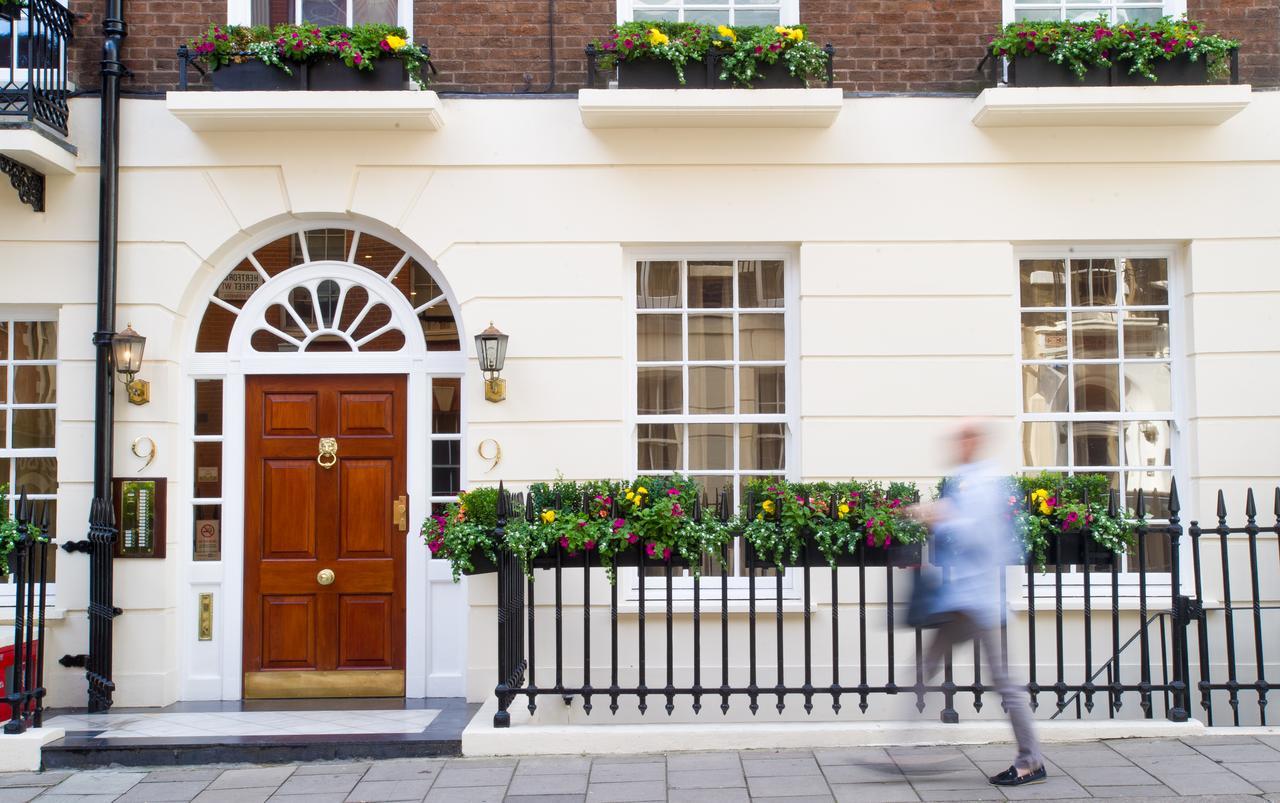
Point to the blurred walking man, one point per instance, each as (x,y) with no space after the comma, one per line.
(973,535)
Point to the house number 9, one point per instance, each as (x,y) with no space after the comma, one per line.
(493,452)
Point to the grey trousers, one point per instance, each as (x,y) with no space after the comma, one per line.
(962,628)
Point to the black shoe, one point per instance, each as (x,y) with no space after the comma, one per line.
(1010,777)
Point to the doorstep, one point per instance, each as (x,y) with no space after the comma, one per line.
(260,732)
(524,738)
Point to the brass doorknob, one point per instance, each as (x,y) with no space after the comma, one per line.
(326,577)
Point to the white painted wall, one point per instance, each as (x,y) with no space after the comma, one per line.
(904,215)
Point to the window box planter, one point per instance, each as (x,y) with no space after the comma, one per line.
(1076,547)
(1174,72)
(653,74)
(1038,70)
(255,76)
(899,555)
(628,558)
(772,76)
(481,564)
(330,75)
(940,557)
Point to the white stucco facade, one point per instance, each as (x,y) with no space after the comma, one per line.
(902,222)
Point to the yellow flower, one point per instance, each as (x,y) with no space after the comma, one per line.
(657,37)
(843,511)
(630,496)
(1045,509)
(767,505)
(548,516)
(781,30)
(727,33)
(642,490)
(396,42)
(759,517)
(795,35)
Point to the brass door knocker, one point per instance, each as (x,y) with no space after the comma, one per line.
(328,452)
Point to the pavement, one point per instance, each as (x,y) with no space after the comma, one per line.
(1202,768)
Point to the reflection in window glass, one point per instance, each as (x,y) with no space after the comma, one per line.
(1104,323)
(712,12)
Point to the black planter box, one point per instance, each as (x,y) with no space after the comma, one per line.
(654,74)
(1079,549)
(1179,71)
(892,555)
(254,76)
(481,564)
(769,76)
(331,75)
(1038,70)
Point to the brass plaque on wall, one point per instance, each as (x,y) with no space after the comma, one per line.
(140,517)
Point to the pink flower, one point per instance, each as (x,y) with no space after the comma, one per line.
(627,43)
(618,524)
(435,544)
(1168,46)
(383,44)
(315,31)
(1052,501)
(775,47)
(676,510)
(650,548)
(673,492)
(895,504)
(772,489)
(871,541)
(582,524)
(888,539)
(590,545)
(759,50)
(357,58)
(564,542)
(666,553)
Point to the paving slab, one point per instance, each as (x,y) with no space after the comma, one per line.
(626,792)
(319,785)
(238,795)
(852,755)
(1051,789)
(333,768)
(19,794)
(990,793)
(457,774)
(1135,748)
(677,762)
(553,765)
(619,773)
(734,795)
(411,769)
(1131,792)
(873,792)
(1112,776)
(863,773)
(188,774)
(463,794)
(252,777)
(787,785)
(163,791)
(1239,753)
(389,790)
(32,778)
(566,784)
(1215,784)
(799,765)
(98,783)
(706,779)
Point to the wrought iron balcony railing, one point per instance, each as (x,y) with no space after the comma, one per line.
(34,35)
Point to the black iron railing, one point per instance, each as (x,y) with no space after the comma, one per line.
(29,570)
(1063,665)
(34,35)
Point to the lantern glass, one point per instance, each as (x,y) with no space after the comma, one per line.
(127,348)
(491,349)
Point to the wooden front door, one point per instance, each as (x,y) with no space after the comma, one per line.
(325,524)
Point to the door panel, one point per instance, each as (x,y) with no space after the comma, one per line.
(364,638)
(366,528)
(288,632)
(288,509)
(324,562)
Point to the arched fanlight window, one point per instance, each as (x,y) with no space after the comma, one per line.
(328,315)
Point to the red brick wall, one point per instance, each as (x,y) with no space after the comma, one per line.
(1256,23)
(502,45)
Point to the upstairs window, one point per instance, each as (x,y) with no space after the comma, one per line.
(713,12)
(324,12)
(1116,10)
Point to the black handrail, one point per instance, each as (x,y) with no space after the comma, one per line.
(35,89)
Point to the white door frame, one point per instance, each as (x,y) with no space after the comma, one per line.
(213,670)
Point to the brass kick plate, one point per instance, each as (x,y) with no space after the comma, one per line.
(301,684)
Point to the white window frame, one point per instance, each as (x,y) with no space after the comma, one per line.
(789,12)
(20,76)
(240,12)
(10,315)
(710,584)
(1158,583)
(1171,8)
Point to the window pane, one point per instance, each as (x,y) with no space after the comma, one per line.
(708,16)
(657,285)
(1097,388)
(208,407)
(1155,492)
(446,397)
(440,328)
(280,255)
(215,329)
(1147,443)
(1094,335)
(1044,388)
(446,468)
(33,429)
(756,17)
(35,340)
(35,475)
(1043,282)
(761,337)
(711,284)
(327,244)
(710,390)
(4,340)
(1097,443)
(377,255)
(34,384)
(1146,334)
(658,338)
(762,447)
(4,384)
(1093,282)
(208,471)
(659,447)
(710,337)
(1044,443)
(239,284)
(1147,387)
(659,391)
(710,447)
(383,11)
(207,532)
(1044,335)
(4,433)
(710,486)
(762,389)
(760,284)
(1146,282)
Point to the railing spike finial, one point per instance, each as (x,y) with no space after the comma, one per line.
(1222,507)
(503,502)
(529,513)
(1112,500)
(1250,508)
(1175,505)
(1277,504)
(1141,508)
